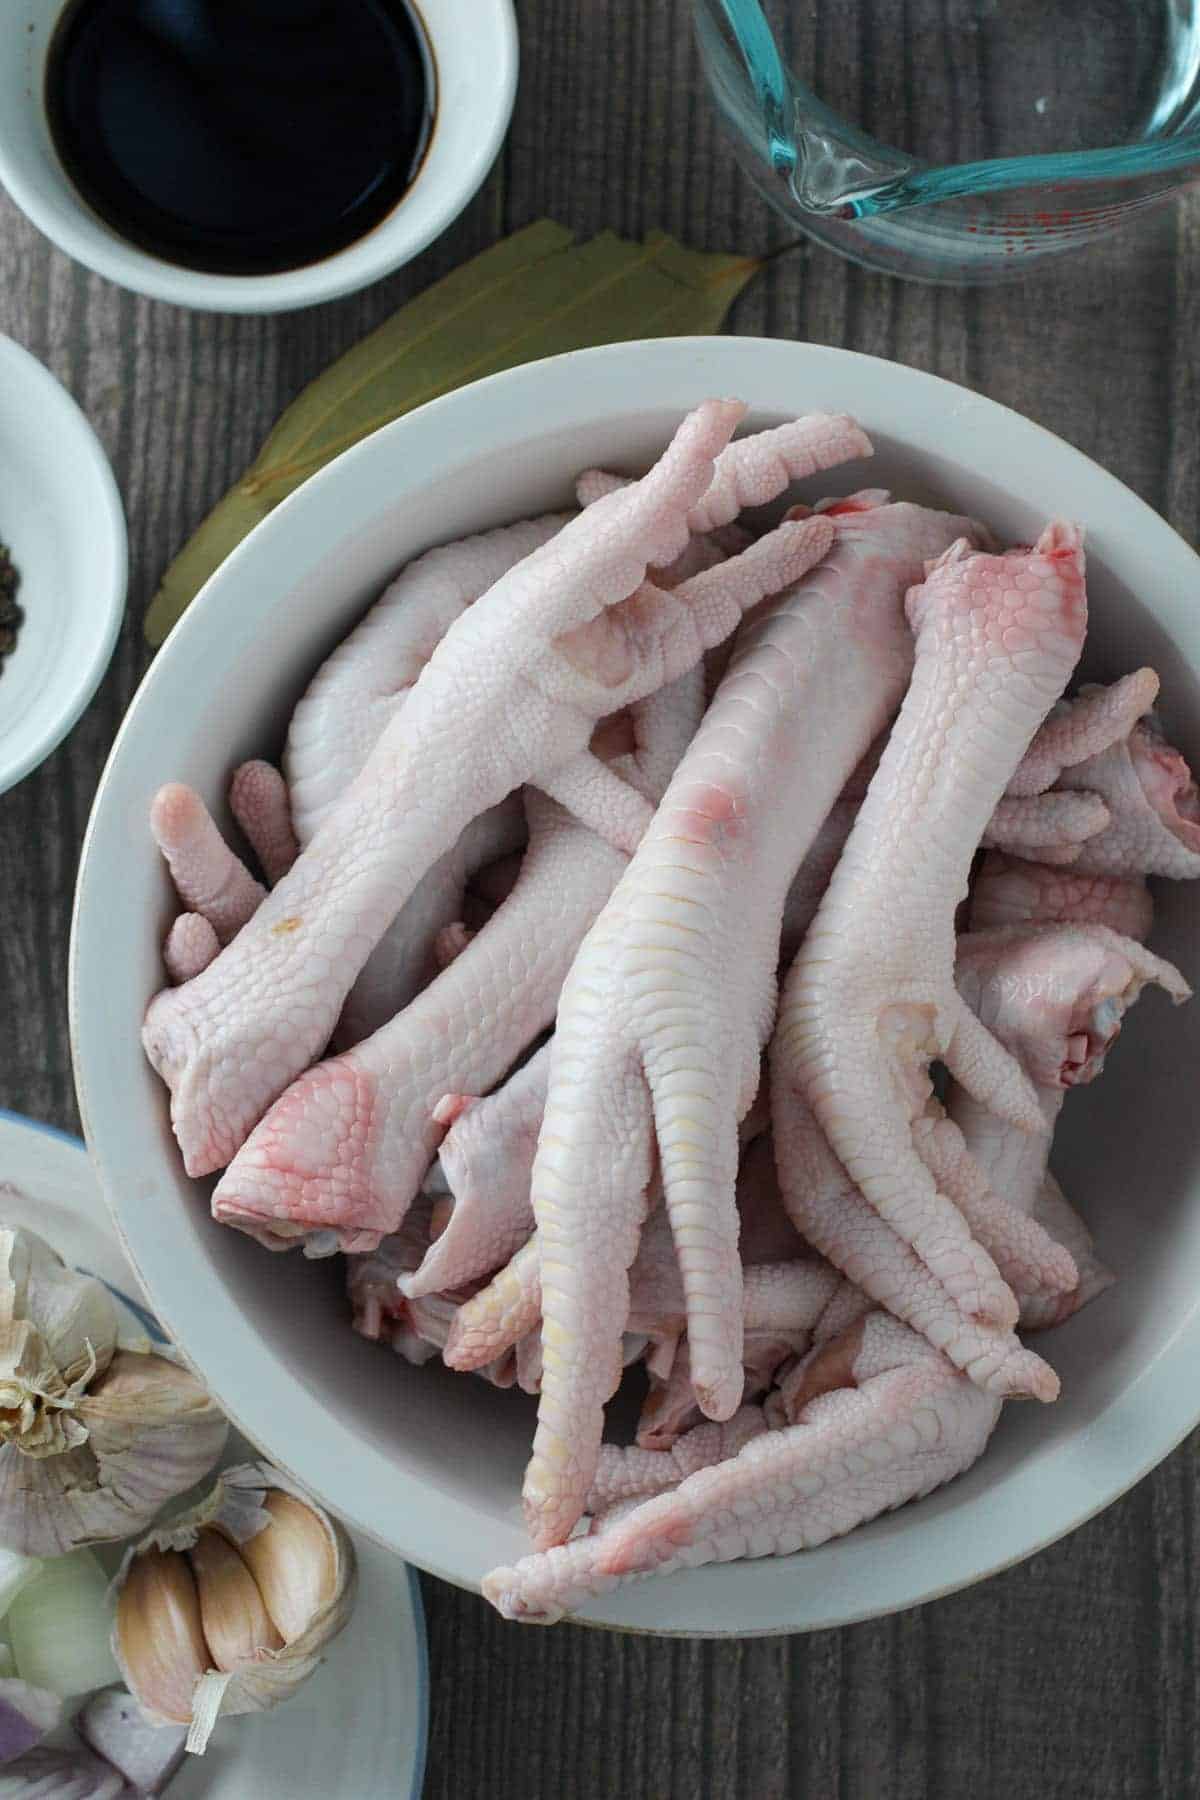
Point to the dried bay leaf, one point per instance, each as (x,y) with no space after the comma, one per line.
(534,294)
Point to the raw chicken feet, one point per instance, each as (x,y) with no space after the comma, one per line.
(663,1018)
(510,694)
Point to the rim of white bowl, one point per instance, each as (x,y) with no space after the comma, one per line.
(55,411)
(1060,1487)
(65,218)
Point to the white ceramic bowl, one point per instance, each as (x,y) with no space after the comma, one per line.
(61,518)
(476,81)
(428,1461)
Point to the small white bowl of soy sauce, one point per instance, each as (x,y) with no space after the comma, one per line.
(251,155)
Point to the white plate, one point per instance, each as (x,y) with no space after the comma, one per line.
(357,1730)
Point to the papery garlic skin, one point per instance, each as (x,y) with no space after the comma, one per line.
(268,1537)
(58,1331)
(151,1432)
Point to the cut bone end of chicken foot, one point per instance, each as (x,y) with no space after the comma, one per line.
(285,1184)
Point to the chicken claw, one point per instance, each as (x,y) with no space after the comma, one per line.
(189,946)
(208,877)
(212,882)
(486,1160)
(1052,827)
(1054,1211)
(828,1210)
(908,1423)
(259,801)
(870,999)
(1077,730)
(345,1148)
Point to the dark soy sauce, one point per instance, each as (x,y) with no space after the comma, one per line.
(240,136)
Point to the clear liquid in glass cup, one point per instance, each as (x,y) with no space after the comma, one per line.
(957,140)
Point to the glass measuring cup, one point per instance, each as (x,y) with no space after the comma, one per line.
(958,151)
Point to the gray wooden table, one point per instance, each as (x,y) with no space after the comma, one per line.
(1074,1675)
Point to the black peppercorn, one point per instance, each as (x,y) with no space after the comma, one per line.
(11,614)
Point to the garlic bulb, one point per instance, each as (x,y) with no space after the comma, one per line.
(57,1331)
(272,1582)
(94,1436)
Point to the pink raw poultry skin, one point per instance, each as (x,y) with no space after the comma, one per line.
(1009,891)
(511,693)
(486,1160)
(1055,996)
(799,815)
(232,1039)
(302,1171)
(667,1007)
(346,1146)
(908,1423)
(1153,803)
(864,1013)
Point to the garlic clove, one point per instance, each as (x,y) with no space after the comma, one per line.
(113,1725)
(151,1432)
(294,1563)
(159,1640)
(235,1621)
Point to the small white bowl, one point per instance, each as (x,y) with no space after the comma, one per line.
(428,1461)
(476,81)
(61,518)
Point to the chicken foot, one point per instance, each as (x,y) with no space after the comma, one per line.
(827,1208)
(664,1015)
(909,1423)
(870,999)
